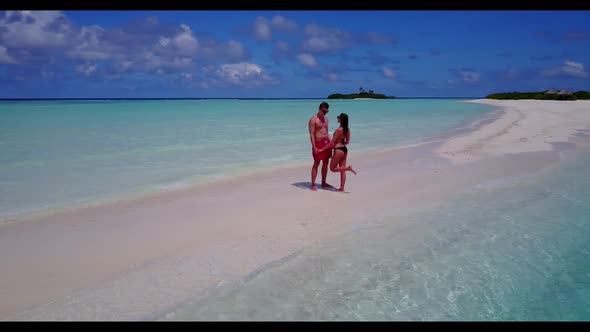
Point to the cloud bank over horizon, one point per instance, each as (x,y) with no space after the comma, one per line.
(293,54)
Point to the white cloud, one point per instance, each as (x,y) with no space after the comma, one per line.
(238,73)
(89,55)
(244,74)
(575,69)
(37,37)
(34,29)
(229,52)
(89,45)
(235,51)
(153,48)
(4,57)
(143,50)
(123,66)
(262,29)
(469,76)
(330,77)
(185,41)
(569,69)
(281,50)
(154,62)
(325,40)
(388,73)
(283,24)
(34,38)
(307,60)
(164,41)
(132,47)
(86,69)
(321,39)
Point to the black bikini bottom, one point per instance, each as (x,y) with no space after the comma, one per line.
(343,148)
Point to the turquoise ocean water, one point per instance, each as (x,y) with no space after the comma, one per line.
(516,250)
(511,250)
(58,153)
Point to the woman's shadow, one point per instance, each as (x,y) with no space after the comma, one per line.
(307,186)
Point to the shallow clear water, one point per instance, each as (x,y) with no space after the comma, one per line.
(509,250)
(55,153)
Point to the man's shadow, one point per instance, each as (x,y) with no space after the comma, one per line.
(307,186)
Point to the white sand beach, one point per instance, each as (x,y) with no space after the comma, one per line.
(527,125)
(130,260)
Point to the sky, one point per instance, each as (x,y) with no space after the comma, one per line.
(283,54)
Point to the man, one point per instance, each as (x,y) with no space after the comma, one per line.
(319,136)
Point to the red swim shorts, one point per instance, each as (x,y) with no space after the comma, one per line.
(326,154)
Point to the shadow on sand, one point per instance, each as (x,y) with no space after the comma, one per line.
(307,186)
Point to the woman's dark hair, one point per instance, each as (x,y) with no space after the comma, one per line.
(344,122)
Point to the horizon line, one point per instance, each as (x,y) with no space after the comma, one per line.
(224,98)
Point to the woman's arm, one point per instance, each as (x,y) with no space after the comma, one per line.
(347,137)
(333,142)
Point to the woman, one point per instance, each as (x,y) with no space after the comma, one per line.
(340,140)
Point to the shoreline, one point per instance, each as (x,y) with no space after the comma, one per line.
(547,124)
(87,264)
(186,185)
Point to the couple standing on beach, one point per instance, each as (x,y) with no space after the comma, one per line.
(322,146)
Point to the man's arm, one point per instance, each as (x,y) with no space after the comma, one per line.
(312,134)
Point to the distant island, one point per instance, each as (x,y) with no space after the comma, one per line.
(362,94)
(543,95)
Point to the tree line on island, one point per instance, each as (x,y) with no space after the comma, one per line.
(543,95)
(361,94)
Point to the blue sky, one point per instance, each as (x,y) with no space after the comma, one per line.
(219,54)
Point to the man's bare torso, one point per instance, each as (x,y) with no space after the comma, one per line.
(321,127)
